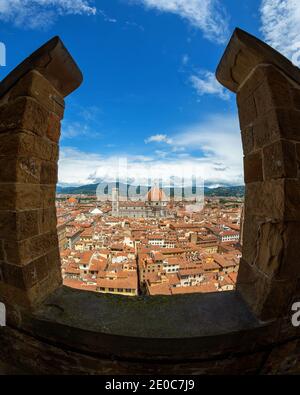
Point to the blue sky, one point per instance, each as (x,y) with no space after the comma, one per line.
(149,92)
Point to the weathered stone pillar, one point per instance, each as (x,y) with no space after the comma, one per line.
(268,97)
(31,109)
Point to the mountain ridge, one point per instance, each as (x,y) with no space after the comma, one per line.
(90,189)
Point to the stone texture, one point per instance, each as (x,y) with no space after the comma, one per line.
(247,112)
(268,98)
(20,169)
(288,123)
(270,248)
(248,140)
(30,115)
(266,297)
(295,92)
(46,220)
(290,268)
(27,145)
(35,85)
(33,273)
(22,252)
(18,225)
(273,92)
(266,130)
(284,359)
(265,199)
(292,199)
(54,127)
(280,160)
(253,167)
(49,172)
(251,231)
(24,113)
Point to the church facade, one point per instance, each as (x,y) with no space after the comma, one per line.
(154,205)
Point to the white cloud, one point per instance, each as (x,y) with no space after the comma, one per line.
(78,129)
(159,138)
(107,18)
(76,166)
(280,26)
(185,59)
(211,150)
(206,84)
(217,138)
(41,13)
(206,15)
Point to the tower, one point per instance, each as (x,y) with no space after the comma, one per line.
(115,202)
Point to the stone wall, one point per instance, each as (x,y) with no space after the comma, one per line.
(269,118)
(268,98)
(30,115)
(31,110)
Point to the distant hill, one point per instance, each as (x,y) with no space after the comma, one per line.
(236,191)
(84,189)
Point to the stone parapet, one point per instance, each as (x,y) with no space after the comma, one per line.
(31,109)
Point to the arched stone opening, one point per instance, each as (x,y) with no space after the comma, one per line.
(54,329)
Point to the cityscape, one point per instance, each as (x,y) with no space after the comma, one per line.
(156,246)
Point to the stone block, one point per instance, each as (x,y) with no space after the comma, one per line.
(292,199)
(250,235)
(268,299)
(250,85)
(48,173)
(295,92)
(8,196)
(270,79)
(54,128)
(253,169)
(23,252)
(283,359)
(35,85)
(266,199)
(25,144)
(18,225)
(47,220)
(27,196)
(273,93)
(43,149)
(248,276)
(270,248)
(48,195)
(247,112)
(54,153)
(289,124)
(290,267)
(266,130)
(24,113)
(277,297)
(20,169)
(21,277)
(33,296)
(248,140)
(279,160)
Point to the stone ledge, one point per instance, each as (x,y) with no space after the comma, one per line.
(84,333)
(54,62)
(182,316)
(197,326)
(243,54)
